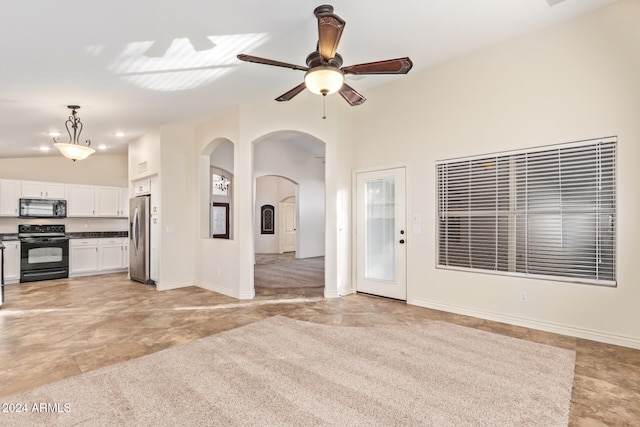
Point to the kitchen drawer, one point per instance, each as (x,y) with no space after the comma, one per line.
(112,241)
(83,242)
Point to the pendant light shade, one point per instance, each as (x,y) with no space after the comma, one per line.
(73,149)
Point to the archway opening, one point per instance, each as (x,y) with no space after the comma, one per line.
(217,189)
(289,212)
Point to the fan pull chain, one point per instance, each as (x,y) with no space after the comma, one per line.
(324,107)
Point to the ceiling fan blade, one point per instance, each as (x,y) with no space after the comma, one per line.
(351,95)
(390,66)
(293,92)
(330,29)
(258,60)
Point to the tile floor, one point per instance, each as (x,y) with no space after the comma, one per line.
(55,329)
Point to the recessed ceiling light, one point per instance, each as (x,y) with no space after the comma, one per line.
(102,147)
(44,148)
(54,134)
(119,134)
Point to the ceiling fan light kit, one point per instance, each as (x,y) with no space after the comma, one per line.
(73,150)
(324,80)
(324,72)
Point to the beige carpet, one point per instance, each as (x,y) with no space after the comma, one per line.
(290,373)
(286,271)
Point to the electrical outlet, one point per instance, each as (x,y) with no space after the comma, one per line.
(524,297)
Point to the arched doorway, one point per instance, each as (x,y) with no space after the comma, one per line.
(289,178)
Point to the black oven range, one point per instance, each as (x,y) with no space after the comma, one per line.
(44,252)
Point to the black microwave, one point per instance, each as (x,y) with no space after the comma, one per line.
(43,208)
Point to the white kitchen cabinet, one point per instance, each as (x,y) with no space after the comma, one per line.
(43,190)
(154,230)
(112,254)
(11,261)
(83,256)
(124,202)
(9,195)
(155,196)
(107,201)
(98,256)
(81,200)
(112,201)
(142,187)
(125,253)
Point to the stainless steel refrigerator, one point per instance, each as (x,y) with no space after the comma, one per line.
(139,239)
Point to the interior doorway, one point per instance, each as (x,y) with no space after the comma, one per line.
(290,215)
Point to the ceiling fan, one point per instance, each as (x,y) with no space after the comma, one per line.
(324,71)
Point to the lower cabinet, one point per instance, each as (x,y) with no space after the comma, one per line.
(97,256)
(113,254)
(11,261)
(83,257)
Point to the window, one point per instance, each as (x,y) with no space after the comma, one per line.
(546,213)
(267,214)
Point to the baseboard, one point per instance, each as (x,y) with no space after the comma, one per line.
(169,286)
(346,291)
(331,293)
(233,293)
(571,331)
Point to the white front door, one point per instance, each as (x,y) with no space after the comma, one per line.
(287,227)
(381,233)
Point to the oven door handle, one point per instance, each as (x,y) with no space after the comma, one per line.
(43,240)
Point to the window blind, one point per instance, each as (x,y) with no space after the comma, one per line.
(548,212)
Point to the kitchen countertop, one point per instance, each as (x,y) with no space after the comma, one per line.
(75,235)
(96,234)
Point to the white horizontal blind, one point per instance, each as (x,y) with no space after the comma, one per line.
(548,212)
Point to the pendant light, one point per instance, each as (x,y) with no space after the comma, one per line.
(73,149)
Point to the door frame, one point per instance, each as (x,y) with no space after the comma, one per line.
(354,218)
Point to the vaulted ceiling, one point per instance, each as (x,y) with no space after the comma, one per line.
(135,65)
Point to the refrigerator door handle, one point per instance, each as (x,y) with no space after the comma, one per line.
(136,230)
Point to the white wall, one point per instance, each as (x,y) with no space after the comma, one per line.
(108,170)
(177,200)
(216,261)
(227,266)
(577,80)
(144,156)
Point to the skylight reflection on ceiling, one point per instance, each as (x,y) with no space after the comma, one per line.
(182,63)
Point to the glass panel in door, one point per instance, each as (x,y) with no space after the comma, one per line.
(380,229)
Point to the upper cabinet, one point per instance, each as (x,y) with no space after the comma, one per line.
(142,187)
(43,190)
(81,200)
(112,202)
(9,195)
